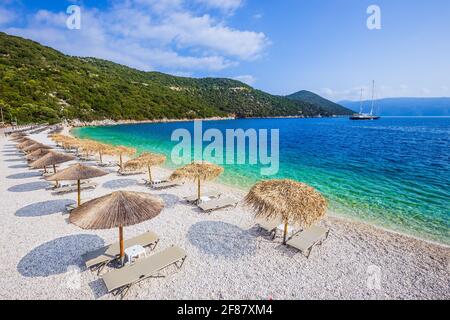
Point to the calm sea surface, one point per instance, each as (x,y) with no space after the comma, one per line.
(394,172)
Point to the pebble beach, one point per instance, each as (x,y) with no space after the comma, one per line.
(228,256)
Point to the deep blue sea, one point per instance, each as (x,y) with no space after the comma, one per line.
(394,172)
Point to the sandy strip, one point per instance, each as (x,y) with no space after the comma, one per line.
(228,257)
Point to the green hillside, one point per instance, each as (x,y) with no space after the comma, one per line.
(316,100)
(40,84)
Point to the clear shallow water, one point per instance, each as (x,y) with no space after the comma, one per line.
(394,172)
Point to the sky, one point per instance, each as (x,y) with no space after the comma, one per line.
(281,47)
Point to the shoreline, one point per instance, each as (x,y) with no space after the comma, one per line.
(244,190)
(228,257)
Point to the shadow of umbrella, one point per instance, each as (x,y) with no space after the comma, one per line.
(221,239)
(18,166)
(24,175)
(44,208)
(170,200)
(27,187)
(56,256)
(120,183)
(14,160)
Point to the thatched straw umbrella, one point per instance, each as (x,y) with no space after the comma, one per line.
(20,139)
(77,172)
(146,160)
(291,201)
(35,147)
(197,171)
(26,144)
(103,149)
(51,159)
(18,134)
(121,151)
(33,156)
(117,210)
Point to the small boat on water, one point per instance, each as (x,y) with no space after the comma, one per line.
(366,116)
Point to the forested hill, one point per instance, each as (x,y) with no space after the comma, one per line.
(315,99)
(41,84)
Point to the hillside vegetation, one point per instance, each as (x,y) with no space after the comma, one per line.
(40,84)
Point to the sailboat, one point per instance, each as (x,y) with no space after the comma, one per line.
(366,116)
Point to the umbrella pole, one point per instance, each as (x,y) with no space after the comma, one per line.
(198,189)
(150,174)
(79,192)
(101,160)
(122,250)
(56,181)
(120,161)
(285,231)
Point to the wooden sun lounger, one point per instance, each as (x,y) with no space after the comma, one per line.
(130,173)
(84,158)
(305,240)
(74,188)
(107,164)
(97,259)
(211,195)
(269,225)
(121,280)
(213,205)
(63,185)
(164,185)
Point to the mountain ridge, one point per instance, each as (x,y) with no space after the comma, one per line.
(41,84)
(315,99)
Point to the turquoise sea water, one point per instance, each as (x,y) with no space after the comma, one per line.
(394,172)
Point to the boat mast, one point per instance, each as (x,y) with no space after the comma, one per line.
(373,97)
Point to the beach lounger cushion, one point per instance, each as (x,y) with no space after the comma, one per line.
(130,173)
(122,279)
(217,204)
(109,253)
(305,240)
(269,225)
(74,188)
(164,185)
(210,195)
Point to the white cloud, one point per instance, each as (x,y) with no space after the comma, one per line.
(247,78)
(227,5)
(148,34)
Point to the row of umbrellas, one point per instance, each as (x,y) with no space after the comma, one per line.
(292,202)
(90,147)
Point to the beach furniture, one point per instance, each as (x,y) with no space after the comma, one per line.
(130,173)
(67,185)
(97,259)
(74,188)
(304,241)
(121,280)
(84,158)
(109,164)
(163,184)
(217,204)
(204,198)
(270,226)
